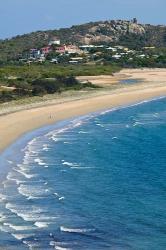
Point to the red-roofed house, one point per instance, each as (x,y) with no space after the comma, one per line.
(61,49)
(46,50)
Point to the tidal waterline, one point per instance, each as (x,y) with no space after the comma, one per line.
(96,182)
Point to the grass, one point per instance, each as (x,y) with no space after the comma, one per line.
(22,79)
(47,70)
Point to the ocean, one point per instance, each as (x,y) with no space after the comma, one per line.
(91,183)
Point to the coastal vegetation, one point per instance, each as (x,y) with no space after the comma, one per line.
(37,80)
(48,62)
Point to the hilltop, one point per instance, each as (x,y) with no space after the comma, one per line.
(113,32)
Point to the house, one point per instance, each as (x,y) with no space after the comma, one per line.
(86,48)
(41,59)
(54,60)
(99,46)
(119,47)
(72,49)
(61,49)
(141,56)
(55,41)
(77,58)
(46,50)
(150,47)
(112,49)
(34,53)
(117,57)
(74,62)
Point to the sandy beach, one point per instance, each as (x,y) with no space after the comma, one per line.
(27,118)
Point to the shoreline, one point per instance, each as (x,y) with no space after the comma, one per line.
(15,125)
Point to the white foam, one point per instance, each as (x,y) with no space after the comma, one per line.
(83,132)
(131,105)
(77,124)
(61,248)
(70,164)
(66,142)
(53,134)
(41,224)
(33,191)
(21,236)
(59,245)
(2,218)
(11,177)
(45,149)
(55,139)
(31,244)
(25,174)
(10,162)
(76,230)
(3,197)
(56,194)
(61,198)
(82,168)
(18,228)
(30,214)
(39,162)
(137,123)
(32,141)
(100,125)
(3,229)
(108,111)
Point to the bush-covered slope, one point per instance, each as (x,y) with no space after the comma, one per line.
(128,33)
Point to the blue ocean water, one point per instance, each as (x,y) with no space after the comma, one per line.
(95,183)
(130,81)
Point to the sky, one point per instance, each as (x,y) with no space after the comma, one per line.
(24,16)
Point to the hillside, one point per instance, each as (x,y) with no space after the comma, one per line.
(128,33)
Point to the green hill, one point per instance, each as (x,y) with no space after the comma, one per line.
(128,33)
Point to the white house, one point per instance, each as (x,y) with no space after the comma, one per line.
(116,56)
(55,41)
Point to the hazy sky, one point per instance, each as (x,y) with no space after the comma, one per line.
(22,16)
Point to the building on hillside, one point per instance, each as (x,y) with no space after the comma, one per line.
(54,60)
(72,49)
(54,41)
(87,46)
(117,56)
(79,59)
(141,56)
(112,49)
(46,50)
(149,47)
(34,53)
(61,50)
(120,47)
(73,62)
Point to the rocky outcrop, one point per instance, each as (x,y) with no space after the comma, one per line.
(119,32)
(108,31)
